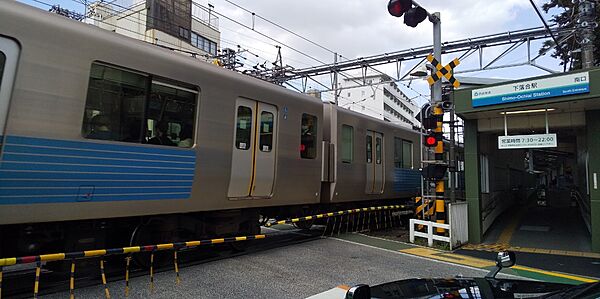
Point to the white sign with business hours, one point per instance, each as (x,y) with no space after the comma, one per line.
(527,141)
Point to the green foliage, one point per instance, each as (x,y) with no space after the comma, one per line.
(568,19)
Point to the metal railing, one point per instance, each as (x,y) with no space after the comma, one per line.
(584,208)
(458,230)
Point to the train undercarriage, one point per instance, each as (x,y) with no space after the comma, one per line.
(70,236)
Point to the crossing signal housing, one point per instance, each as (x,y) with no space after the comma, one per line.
(398,7)
(434,171)
(412,15)
(431,140)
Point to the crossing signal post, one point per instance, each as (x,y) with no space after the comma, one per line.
(432,116)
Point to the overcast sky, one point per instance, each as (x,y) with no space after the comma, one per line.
(357,28)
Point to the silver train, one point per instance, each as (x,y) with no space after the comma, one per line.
(108,141)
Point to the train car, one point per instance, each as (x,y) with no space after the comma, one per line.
(109,141)
(374,160)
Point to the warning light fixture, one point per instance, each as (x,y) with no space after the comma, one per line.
(398,7)
(430,140)
(412,15)
(434,171)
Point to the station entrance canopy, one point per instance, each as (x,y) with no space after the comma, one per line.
(530,137)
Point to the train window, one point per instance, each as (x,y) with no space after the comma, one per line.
(170,114)
(129,106)
(308,137)
(115,104)
(243,131)
(347,143)
(369,149)
(397,152)
(378,150)
(407,154)
(403,151)
(266,131)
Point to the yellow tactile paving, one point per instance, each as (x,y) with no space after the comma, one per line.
(509,230)
(481,263)
(499,247)
(449,257)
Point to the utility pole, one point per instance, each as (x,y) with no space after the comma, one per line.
(587,23)
(335,80)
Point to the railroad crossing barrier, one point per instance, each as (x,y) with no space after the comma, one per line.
(335,214)
(101,253)
(382,217)
(360,219)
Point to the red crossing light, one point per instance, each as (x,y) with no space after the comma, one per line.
(398,7)
(430,140)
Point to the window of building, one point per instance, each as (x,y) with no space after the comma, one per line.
(266,131)
(308,137)
(369,149)
(243,131)
(184,33)
(378,150)
(484,173)
(203,43)
(347,144)
(129,106)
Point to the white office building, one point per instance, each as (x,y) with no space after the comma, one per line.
(380,98)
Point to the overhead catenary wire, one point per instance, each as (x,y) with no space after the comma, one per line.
(175,47)
(315,44)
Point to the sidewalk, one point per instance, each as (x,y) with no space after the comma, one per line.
(574,270)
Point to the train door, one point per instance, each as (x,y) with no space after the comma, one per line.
(375,173)
(253,155)
(9,53)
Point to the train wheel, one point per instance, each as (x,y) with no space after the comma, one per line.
(307,224)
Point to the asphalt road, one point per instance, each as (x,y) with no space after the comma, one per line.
(296,271)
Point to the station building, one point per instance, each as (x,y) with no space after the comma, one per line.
(532,161)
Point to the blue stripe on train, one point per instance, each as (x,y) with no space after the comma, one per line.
(5,175)
(12,148)
(74,198)
(124,147)
(39,170)
(11,157)
(96,183)
(407,180)
(21,166)
(95,191)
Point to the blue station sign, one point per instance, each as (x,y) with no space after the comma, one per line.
(532,90)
